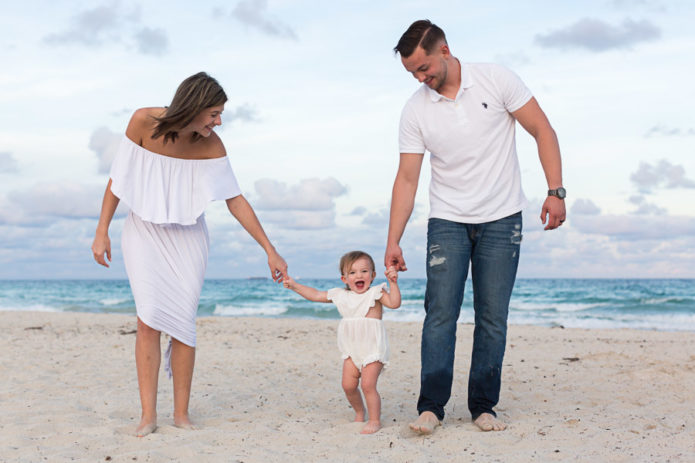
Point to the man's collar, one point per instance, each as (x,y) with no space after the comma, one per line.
(466,82)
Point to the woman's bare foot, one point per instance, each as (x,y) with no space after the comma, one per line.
(145,427)
(425,423)
(488,422)
(371,427)
(183,422)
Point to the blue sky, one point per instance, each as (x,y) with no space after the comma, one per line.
(315,95)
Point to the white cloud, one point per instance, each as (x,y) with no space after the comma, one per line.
(109,24)
(244,112)
(300,220)
(253,13)
(43,203)
(661,174)
(152,41)
(308,195)
(663,131)
(585,207)
(8,164)
(105,145)
(597,35)
(91,27)
(636,228)
(644,207)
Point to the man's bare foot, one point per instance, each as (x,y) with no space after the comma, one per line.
(488,422)
(371,427)
(145,428)
(425,423)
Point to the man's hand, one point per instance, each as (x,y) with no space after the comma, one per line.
(554,212)
(394,258)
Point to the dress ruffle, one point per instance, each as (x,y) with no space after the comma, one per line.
(164,190)
(351,304)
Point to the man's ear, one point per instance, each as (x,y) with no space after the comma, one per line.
(444,49)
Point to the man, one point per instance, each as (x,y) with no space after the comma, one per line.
(465,115)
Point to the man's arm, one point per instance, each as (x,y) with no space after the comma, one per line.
(533,120)
(402,201)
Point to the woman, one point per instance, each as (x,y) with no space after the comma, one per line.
(170,164)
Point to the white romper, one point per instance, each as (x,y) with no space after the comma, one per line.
(360,338)
(165,240)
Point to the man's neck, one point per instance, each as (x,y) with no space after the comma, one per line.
(453,79)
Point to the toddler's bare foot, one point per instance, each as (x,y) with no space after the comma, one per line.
(488,422)
(145,427)
(183,423)
(425,423)
(371,427)
(359,417)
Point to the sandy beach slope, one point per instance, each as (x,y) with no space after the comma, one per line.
(269,390)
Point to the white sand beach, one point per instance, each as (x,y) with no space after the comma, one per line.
(269,390)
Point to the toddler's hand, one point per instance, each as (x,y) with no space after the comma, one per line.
(288,282)
(391,274)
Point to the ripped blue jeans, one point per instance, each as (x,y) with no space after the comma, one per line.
(492,249)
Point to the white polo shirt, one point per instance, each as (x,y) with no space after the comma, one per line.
(475,169)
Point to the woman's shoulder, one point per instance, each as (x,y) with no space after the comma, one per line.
(212,147)
(142,123)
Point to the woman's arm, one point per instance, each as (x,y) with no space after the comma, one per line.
(392,299)
(243,212)
(102,243)
(307,292)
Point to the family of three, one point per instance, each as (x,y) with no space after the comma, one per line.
(171,164)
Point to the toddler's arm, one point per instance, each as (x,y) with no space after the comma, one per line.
(307,292)
(392,299)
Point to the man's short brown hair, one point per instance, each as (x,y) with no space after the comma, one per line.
(420,33)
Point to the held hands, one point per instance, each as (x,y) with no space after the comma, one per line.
(288,282)
(101,245)
(554,211)
(394,258)
(278,267)
(391,274)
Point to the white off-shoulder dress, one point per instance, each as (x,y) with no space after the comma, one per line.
(165,240)
(360,338)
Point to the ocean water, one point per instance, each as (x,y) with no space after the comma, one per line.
(660,304)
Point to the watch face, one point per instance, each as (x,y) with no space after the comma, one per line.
(561,193)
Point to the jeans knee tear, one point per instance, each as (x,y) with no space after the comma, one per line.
(434,260)
(516,235)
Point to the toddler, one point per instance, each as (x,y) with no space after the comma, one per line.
(361,333)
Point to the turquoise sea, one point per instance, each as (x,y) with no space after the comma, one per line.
(659,304)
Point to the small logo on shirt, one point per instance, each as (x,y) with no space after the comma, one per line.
(485,105)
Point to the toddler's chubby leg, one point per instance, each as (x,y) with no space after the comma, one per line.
(370,375)
(351,379)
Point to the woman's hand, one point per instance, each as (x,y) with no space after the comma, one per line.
(101,245)
(278,267)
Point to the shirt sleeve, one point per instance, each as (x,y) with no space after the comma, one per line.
(410,138)
(513,91)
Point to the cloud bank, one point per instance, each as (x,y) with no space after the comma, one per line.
(254,14)
(8,164)
(597,35)
(107,24)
